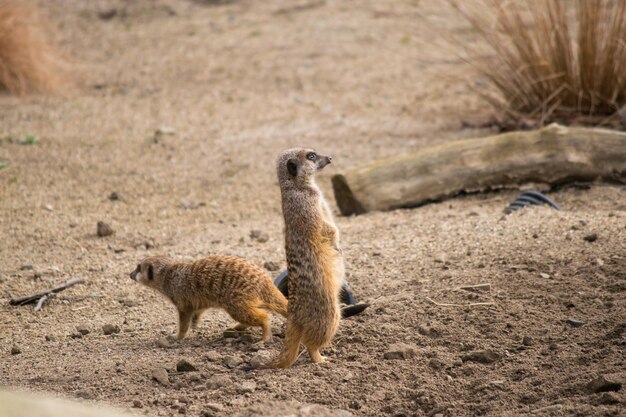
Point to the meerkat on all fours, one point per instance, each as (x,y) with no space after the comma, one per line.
(314,258)
(241,288)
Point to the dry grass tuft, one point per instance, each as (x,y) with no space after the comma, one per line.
(28,64)
(552,60)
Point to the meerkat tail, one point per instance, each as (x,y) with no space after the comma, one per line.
(276,302)
(291,348)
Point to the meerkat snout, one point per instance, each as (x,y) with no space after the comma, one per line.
(143,278)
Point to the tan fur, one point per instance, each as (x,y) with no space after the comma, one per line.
(241,288)
(314,258)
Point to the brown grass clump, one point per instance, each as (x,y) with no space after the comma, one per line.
(28,64)
(552,60)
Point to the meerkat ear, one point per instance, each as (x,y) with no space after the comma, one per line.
(292,167)
(150,272)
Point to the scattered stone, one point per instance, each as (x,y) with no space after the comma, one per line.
(527,341)
(85,395)
(400,351)
(109,329)
(83,329)
(481,356)
(26,267)
(114,196)
(50,338)
(48,207)
(271,266)
(76,335)
(213,356)
(160,375)
(164,343)
(103,229)
(214,406)
(260,359)
(246,387)
(184,365)
(16,350)
(591,237)
(218,381)
(246,337)
(606,383)
(137,404)
(347,376)
(232,361)
(544,275)
(259,236)
(575,323)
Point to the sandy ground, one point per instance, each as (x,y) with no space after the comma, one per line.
(238,81)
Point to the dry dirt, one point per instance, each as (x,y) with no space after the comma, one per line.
(238,81)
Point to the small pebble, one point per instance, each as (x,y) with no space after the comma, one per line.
(184,365)
(137,404)
(83,329)
(26,267)
(103,229)
(400,351)
(16,350)
(481,356)
(260,359)
(164,343)
(160,375)
(271,266)
(527,341)
(232,361)
(109,329)
(259,236)
(574,323)
(213,356)
(218,381)
(591,237)
(246,387)
(114,196)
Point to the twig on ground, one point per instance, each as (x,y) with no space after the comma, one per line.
(36,297)
(477,287)
(40,302)
(458,305)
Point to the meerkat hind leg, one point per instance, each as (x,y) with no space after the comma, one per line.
(184,320)
(252,316)
(195,318)
(315,355)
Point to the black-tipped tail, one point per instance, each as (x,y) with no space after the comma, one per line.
(353,310)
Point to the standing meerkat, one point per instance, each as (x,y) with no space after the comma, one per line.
(241,288)
(314,259)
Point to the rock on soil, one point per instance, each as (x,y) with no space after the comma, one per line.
(271,266)
(16,350)
(481,356)
(232,361)
(259,236)
(160,375)
(607,382)
(591,237)
(400,351)
(83,329)
(103,229)
(246,387)
(260,359)
(109,329)
(184,365)
(218,381)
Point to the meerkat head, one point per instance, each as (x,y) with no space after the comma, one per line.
(299,165)
(148,272)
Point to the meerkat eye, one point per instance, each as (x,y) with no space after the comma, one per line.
(150,272)
(311,156)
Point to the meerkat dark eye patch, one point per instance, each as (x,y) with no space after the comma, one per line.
(292,168)
(150,272)
(311,156)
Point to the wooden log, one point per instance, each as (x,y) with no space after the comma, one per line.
(554,155)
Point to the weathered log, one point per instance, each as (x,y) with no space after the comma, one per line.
(554,155)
